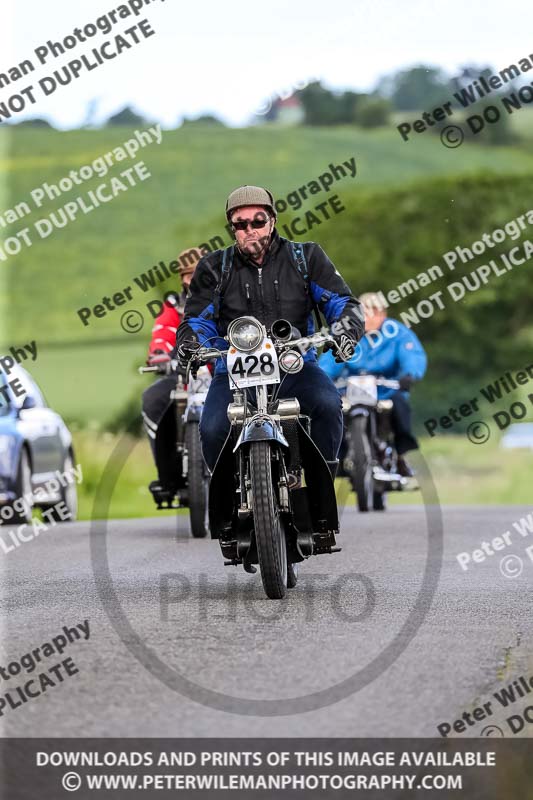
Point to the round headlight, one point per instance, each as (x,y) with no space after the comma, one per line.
(245,334)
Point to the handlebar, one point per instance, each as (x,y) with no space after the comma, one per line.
(149,369)
(304,342)
(203,354)
(315,340)
(341,383)
(389,384)
(168,367)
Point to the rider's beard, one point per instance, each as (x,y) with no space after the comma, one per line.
(255,247)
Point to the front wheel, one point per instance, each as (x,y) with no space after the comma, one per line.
(269,536)
(362,479)
(23,490)
(69,496)
(197,482)
(380,502)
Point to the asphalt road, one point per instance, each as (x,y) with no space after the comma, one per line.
(214,626)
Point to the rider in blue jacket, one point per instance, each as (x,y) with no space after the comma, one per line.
(393,351)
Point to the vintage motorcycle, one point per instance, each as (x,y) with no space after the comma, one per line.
(258,508)
(368,457)
(194,476)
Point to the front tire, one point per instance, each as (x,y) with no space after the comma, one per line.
(269,536)
(380,502)
(197,483)
(362,480)
(23,489)
(69,495)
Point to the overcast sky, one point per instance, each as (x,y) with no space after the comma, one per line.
(228,57)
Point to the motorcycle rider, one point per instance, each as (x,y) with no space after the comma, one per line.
(393,351)
(264,276)
(159,419)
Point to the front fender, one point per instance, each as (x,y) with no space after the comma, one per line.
(359,411)
(260,429)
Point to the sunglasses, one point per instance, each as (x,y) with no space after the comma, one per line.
(242,224)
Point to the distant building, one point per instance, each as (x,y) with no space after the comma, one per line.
(285,111)
(289,111)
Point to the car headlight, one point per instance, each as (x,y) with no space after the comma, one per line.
(245,334)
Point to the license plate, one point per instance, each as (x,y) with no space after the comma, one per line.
(362,390)
(201,382)
(253,369)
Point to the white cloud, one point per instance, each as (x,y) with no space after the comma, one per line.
(209,56)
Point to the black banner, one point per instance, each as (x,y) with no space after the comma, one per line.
(477,769)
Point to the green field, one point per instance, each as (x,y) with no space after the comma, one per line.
(463,473)
(88,383)
(180,206)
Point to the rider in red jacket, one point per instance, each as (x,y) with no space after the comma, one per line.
(157,406)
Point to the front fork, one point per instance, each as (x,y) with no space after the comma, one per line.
(245,507)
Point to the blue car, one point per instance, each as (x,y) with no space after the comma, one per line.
(35,452)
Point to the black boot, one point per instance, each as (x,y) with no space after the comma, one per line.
(404,468)
(162,495)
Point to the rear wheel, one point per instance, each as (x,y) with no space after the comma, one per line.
(362,480)
(380,501)
(269,536)
(197,482)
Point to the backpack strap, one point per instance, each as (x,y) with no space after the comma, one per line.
(227,263)
(300,262)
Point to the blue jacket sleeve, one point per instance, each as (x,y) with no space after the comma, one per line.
(198,323)
(412,359)
(327,363)
(332,294)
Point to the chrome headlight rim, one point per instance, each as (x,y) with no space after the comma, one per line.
(233,334)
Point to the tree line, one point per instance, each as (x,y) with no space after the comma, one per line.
(411,90)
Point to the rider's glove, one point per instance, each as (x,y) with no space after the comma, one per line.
(406,381)
(186,350)
(345,347)
(158,358)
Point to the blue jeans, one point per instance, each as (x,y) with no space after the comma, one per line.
(401,423)
(318,398)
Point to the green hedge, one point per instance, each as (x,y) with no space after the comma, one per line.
(385,238)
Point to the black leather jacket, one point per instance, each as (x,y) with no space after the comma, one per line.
(275,289)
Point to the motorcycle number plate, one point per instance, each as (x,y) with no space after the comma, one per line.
(253,369)
(362,390)
(201,383)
